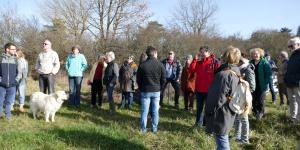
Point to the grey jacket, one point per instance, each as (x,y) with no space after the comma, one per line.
(247,72)
(219,117)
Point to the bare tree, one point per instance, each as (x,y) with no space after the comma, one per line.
(74,13)
(194,16)
(9,26)
(112,17)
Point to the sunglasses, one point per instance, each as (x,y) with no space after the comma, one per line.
(45,44)
(290,46)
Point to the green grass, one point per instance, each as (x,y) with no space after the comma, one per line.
(97,129)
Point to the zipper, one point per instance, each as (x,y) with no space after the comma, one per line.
(7,73)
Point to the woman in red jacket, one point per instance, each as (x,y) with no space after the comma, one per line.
(188,83)
(204,70)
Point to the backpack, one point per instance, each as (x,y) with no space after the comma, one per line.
(241,97)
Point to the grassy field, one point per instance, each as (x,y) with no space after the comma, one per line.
(97,129)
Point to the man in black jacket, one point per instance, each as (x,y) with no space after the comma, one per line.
(150,79)
(292,79)
(173,72)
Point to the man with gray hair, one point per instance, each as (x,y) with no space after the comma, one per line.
(292,78)
(47,65)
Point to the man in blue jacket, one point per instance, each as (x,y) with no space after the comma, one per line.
(292,79)
(9,78)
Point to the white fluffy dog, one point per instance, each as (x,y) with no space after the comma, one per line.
(49,104)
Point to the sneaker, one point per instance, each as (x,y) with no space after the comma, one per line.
(293,121)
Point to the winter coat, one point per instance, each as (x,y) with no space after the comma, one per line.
(187,80)
(23,64)
(10,71)
(47,62)
(76,65)
(111,74)
(205,71)
(176,69)
(282,67)
(127,77)
(219,117)
(93,70)
(151,75)
(292,76)
(248,74)
(264,74)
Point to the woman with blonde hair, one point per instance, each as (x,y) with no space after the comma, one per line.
(219,117)
(21,87)
(262,78)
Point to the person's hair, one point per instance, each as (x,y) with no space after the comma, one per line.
(76,47)
(150,51)
(20,53)
(205,48)
(259,50)
(8,45)
(294,41)
(284,54)
(111,54)
(232,55)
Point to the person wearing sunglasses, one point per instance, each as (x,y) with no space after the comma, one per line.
(47,65)
(292,79)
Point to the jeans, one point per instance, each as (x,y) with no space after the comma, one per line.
(7,95)
(75,87)
(148,98)
(294,101)
(176,87)
(97,88)
(46,82)
(201,98)
(21,90)
(110,91)
(127,96)
(222,142)
(271,87)
(242,128)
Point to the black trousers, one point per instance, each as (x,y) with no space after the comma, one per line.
(46,83)
(176,87)
(97,89)
(258,102)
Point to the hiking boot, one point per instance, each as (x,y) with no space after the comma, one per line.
(21,109)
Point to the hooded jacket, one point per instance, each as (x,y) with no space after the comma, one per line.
(205,70)
(10,71)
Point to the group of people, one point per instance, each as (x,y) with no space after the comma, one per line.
(211,80)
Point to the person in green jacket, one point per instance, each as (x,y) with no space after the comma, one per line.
(262,77)
(76,64)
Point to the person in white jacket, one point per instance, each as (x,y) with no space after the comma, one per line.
(47,65)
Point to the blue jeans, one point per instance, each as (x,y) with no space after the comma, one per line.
(148,98)
(75,87)
(110,91)
(21,90)
(242,128)
(201,98)
(271,87)
(7,95)
(127,96)
(222,142)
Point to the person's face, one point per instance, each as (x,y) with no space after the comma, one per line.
(204,53)
(189,61)
(108,58)
(255,55)
(46,45)
(171,55)
(75,51)
(129,60)
(11,50)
